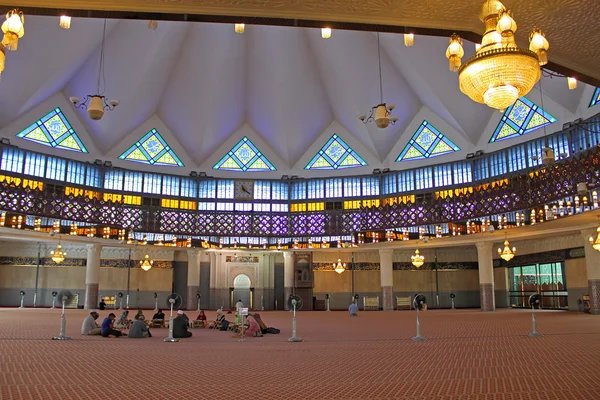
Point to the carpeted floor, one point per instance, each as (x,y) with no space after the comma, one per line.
(469,355)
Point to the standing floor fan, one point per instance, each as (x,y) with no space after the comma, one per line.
(294,304)
(419,303)
(535,300)
(173,301)
(64,297)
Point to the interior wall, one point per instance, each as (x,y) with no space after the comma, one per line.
(577,282)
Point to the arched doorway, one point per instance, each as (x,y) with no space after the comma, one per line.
(241,290)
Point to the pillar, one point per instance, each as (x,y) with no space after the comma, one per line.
(592,264)
(386,272)
(288,276)
(193,278)
(92,276)
(486,276)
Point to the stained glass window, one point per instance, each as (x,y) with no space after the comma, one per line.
(595,98)
(335,154)
(152,149)
(520,119)
(244,156)
(427,142)
(54,130)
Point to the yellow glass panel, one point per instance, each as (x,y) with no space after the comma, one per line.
(316,206)
(133,200)
(169,203)
(370,203)
(92,195)
(115,198)
(298,207)
(35,185)
(187,205)
(71,191)
(351,205)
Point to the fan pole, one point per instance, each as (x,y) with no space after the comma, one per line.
(262,303)
(294,338)
(199,296)
(452,303)
(156,304)
(53,302)
(63,323)
(419,338)
(22,300)
(170,338)
(534,332)
(327,300)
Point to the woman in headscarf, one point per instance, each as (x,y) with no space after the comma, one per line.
(263,327)
(251,328)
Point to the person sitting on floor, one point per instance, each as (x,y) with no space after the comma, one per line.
(159,316)
(180,326)
(139,329)
(89,326)
(123,322)
(108,329)
(353,310)
(201,318)
(251,328)
(140,315)
(263,327)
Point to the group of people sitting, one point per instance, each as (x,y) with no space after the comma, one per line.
(112,327)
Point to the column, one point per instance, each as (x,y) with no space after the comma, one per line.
(288,276)
(213,281)
(193,278)
(92,276)
(386,272)
(592,263)
(486,276)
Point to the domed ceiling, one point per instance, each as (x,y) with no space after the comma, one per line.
(204,88)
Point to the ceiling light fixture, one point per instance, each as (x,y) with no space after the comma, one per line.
(339,267)
(239,28)
(572,82)
(325,33)
(500,72)
(381,112)
(153,24)
(58,255)
(147,263)
(64,22)
(417,259)
(2,58)
(596,243)
(97,103)
(507,253)
(409,39)
(14,29)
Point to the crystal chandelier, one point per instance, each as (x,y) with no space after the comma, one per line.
(596,243)
(500,72)
(14,29)
(507,254)
(58,255)
(417,260)
(380,113)
(147,263)
(97,103)
(339,267)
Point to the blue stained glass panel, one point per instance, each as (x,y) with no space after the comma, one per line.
(54,130)
(595,97)
(520,119)
(152,149)
(335,154)
(244,156)
(427,142)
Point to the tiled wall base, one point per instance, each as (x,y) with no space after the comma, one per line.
(486,293)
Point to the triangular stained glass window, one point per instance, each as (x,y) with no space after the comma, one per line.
(335,154)
(152,149)
(427,142)
(520,119)
(54,130)
(595,98)
(244,156)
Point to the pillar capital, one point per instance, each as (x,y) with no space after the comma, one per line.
(484,246)
(94,247)
(386,252)
(586,234)
(287,256)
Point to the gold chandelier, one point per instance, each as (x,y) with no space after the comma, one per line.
(58,255)
(339,267)
(507,254)
(596,243)
(147,263)
(500,72)
(417,260)
(14,29)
